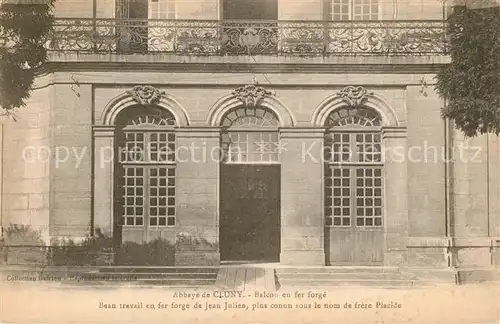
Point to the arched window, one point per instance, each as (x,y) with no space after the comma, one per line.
(146,167)
(250,135)
(354,168)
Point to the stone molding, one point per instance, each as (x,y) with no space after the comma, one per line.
(225,104)
(452,242)
(354,96)
(131,98)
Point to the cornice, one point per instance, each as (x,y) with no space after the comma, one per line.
(313,68)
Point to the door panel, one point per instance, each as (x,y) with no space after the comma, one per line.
(249,212)
(340,246)
(353,232)
(369,246)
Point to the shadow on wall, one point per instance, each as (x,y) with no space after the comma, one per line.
(23,245)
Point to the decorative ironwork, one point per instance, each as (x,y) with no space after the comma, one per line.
(146,95)
(152,117)
(251,95)
(354,96)
(250,135)
(302,38)
(353,117)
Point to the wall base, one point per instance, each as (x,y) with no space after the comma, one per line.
(196,258)
(303,258)
(478,275)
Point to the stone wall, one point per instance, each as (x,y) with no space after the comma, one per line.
(26,164)
(26,159)
(426,178)
(71,173)
(288,9)
(473,212)
(55,196)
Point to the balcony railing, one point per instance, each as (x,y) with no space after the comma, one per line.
(197,37)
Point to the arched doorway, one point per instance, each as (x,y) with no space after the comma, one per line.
(144,173)
(354,187)
(249,224)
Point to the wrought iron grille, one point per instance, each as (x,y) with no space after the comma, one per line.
(301,38)
(353,169)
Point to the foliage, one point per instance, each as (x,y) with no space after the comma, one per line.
(471,83)
(23,29)
(87,252)
(22,235)
(158,252)
(188,241)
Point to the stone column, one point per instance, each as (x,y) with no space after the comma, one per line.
(103,178)
(302,219)
(395,196)
(197,195)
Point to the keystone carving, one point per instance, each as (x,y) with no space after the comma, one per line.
(251,95)
(354,96)
(146,94)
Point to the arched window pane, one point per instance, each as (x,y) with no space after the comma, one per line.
(250,135)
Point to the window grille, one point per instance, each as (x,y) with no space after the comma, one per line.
(337,10)
(250,135)
(146,144)
(353,169)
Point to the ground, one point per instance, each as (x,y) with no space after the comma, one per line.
(25,302)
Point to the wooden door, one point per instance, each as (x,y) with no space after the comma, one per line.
(250,213)
(354,230)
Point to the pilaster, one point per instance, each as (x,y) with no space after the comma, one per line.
(103,159)
(396,196)
(197,194)
(302,219)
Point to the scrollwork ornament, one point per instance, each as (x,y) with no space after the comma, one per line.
(251,95)
(354,96)
(146,95)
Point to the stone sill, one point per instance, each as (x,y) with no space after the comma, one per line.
(370,59)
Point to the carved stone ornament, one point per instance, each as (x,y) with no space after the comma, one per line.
(251,95)
(146,95)
(354,96)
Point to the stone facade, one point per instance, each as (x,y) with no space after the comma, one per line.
(441,191)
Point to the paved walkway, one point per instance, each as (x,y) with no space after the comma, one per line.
(246,278)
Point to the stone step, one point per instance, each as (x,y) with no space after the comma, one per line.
(333,270)
(342,276)
(283,283)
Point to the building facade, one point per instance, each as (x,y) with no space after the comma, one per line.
(304,132)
